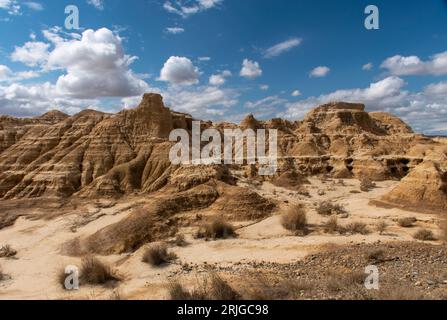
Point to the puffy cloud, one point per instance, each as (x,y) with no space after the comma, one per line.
(425,111)
(203,102)
(31,53)
(264,87)
(437,89)
(282,47)
(7,75)
(219,79)
(96,66)
(174,30)
(31,100)
(368,66)
(413,65)
(250,69)
(187,8)
(296,93)
(319,72)
(179,70)
(98,4)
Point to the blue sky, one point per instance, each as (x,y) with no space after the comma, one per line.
(223,59)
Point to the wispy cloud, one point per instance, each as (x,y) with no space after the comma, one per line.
(174,30)
(282,47)
(98,4)
(187,8)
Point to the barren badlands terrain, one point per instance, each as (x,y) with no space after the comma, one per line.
(98,191)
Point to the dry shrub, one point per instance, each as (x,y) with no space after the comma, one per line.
(424,235)
(217,229)
(157,255)
(7,252)
(180,240)
(357,228)
(336,282)
(212,287)
(2,275)
(262,288)
(327,208)
(407,222)
(381,227)
(331,226)
(376,255)
(367,185)
(398,293)
(295,220)
(95,272)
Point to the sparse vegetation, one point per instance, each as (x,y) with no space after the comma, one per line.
(212,287)
(367,185)
(424,235)
(357,228)
(180,240)
(331,226)
(295,220)
(95,272)
(376,255)
(381,227)
(7,252)
(217,229)
(2,275)
(407,222)
(157,255)
(398,293)
(327,208)
(336,282)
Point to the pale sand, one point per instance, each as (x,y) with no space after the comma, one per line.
(34,272)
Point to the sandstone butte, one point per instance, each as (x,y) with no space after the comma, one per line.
(94,154)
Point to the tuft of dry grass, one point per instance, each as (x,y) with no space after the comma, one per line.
(2,275)
(381,227)
(398,293)
(157,255)
(367,185)
(180,240)
(424,235)
(407,222)
(95,272)
(331,226)
(263,289)
(217,229)
(295,220)
(212,287)
(336,282)
(357,228)
(376,255)
(327,208)
(7,252)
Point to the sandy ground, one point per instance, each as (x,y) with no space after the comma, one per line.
(32,274)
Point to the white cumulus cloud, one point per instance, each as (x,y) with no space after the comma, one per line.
(179,71)
(250,69)
(220,78)
(319,72)
(413,65)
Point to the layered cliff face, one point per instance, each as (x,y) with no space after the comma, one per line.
(97,154)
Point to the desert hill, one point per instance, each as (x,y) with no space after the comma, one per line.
(95,154)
